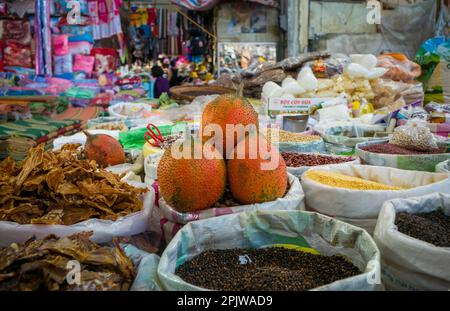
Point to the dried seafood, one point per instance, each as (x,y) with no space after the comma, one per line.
(60,188)
(45,265)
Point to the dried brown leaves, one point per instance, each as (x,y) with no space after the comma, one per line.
(42,265)
(61,188)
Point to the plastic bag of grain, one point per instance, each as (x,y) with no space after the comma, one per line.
(409,263)
(361,207)
(414,162)
(257,229)
(172,221)
(443,167)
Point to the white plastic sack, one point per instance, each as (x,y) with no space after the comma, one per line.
(368,61)
(409,263)
(415,162)
(263,228)
(104,230)
(317,146)
(361,207)
(307,79)
(355,71)
(334,113)
(146,264)
(172,220)
(443,167)
(293,88)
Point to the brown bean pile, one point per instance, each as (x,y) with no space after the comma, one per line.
(269,269)
(293,159)
(388,148)
(433,227)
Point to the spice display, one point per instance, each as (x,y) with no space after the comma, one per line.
(344,181)
(59,188)
(293,159)
(285,136)
(388,148)
(267,269)
(432,227)
(43,265)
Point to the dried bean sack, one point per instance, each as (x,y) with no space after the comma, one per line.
(259,229)
(414,162)
(172,221)
(409,263)
(361,207)
(298,171)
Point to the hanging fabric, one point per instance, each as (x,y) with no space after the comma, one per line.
(196,5)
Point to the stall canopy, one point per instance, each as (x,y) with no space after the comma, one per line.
(202,5)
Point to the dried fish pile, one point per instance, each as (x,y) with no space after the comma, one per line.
(44,265)
(254,78)
(60,188)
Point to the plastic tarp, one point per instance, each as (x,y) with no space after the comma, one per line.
(419,162)
(361,207)
(259,229)
(409,263)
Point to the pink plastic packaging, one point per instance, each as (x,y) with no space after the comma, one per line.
(84,63)
(61,45)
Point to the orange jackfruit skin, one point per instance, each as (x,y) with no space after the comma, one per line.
(190,185)
(250,184)
(228,109)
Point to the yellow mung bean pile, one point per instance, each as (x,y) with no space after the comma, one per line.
(289,137)
(344,181)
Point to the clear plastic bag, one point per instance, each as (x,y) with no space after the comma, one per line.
(414,135)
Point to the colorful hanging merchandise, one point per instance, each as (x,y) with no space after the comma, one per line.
(105,17)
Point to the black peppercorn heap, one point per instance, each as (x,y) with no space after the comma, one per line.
(433,227)
(268,269)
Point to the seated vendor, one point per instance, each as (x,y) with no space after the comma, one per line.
(161,82)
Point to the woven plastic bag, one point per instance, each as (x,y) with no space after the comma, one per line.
(414,135)
(409,263)
(259,229)
(361,207)
(413,162)
(172,221)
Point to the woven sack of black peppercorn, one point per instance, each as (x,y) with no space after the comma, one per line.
(413,237)
(310,234)
(414,135)
(171,220)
